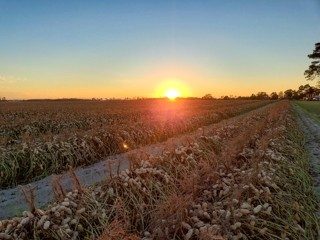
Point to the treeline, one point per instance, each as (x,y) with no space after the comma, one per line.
(304,92)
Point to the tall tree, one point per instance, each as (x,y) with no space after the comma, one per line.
(313,71)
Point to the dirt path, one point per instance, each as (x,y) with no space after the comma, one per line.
(12,202)
(311,131)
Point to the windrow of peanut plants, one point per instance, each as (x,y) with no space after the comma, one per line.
(248,179)
(39,138)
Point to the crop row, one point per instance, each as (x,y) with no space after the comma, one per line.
(29,160)
(34,120)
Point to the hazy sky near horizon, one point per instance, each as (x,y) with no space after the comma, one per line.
(54,49)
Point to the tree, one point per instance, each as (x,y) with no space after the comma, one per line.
(295,95)
(313,71)
(303,90)
(253,96)
(262,96)
(226,98)
(274,96)
(207,96)
(288,94)
(280,95)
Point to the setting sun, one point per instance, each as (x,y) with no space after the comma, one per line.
(172,88)
(172,93)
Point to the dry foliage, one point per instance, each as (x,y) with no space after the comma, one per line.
(243,180)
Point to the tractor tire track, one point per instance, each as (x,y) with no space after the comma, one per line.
(311,130)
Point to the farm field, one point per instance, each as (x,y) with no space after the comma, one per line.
(242,178)
(39,138)
(312,107)
(159,120)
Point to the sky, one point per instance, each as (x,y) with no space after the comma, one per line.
(84,49)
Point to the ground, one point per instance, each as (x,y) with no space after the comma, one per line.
(244,175)
(94,173)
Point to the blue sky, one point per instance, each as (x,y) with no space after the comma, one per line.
(129,48)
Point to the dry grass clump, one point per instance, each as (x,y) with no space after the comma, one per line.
(169,216)
(247,180)
(116,231)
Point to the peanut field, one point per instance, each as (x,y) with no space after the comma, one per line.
(245,177)
(38,138)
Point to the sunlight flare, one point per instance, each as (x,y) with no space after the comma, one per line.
(172,93)
(172,88)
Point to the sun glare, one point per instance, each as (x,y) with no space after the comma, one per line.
(171,88)
(172,93)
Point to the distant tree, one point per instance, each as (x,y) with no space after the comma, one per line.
(3,98)
(280,95)
(226,98)
(304,87)
(253,96)
(262,96)
(313,71)
(207,96)
(288,94)
(304,91)
(274,96)
(295,95)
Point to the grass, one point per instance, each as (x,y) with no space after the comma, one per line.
(301,202)
(312,107)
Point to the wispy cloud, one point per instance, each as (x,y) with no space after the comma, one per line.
(10,79)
